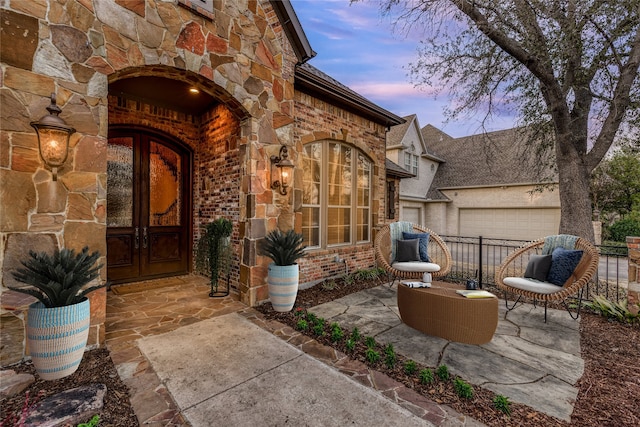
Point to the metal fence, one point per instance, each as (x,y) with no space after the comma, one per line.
(479,258)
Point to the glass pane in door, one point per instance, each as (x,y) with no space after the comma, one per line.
(120,182)
(165,190)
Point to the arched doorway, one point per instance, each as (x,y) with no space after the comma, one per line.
(148,205)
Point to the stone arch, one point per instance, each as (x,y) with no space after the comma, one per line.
(201,82)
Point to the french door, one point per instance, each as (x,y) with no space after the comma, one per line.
(148,199)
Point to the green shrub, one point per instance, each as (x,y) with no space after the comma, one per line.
(318,327)
(372,355)
(348,279)
(410,367)
(502,404)
(625,227)
(612,310)
(426,376)
(443,372)
(336,332)
(390,357)
(312,318)
(93,422)
(329,285)
(350,344)
(462,388)
(302,325)
(355,334)
(370,342)
(370,274)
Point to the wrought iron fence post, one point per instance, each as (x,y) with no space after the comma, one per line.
(480,263)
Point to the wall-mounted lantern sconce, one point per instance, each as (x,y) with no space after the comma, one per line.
(53,137)
(284,168)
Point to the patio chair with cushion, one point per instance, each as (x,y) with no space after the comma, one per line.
(550,269)
(407,251)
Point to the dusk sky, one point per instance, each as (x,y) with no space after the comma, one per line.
(356,46)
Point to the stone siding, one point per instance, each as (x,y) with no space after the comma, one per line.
(238,54)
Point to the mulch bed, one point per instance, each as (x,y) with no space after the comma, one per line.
(96,368)
(609,390)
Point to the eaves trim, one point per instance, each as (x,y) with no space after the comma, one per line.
(313,84)
(293,29)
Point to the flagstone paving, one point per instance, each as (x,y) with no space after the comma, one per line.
(527,360)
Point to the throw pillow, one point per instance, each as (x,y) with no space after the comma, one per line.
(407,251)
(422,247)
(563,262)
(538,267)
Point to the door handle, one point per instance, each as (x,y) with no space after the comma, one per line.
(137,238)
(145,238)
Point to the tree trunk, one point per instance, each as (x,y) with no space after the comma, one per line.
(575,203)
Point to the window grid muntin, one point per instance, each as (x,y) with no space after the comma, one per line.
(351,221)
(312,194)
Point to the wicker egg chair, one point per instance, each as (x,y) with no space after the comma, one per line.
(515,265)
(437,249)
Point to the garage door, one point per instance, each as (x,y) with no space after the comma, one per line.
(411,215)
(525,224)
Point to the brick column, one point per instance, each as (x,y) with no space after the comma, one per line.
(633,243)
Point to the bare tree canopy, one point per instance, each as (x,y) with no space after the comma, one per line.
(568,67)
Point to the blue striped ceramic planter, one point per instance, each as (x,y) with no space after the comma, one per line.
(283,286)
(57,337)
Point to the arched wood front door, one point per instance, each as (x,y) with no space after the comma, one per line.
(148,201)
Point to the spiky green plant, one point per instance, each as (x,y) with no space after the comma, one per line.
(372,356)
(60,279)
(426,376)
(390,357)
(350,344)
(463,388)
(410,367)
(283,248)
(502,404)
(443,372)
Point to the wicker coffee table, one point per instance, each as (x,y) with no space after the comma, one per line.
(441,312)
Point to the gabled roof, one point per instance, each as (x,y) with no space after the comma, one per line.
(310,80)
(489,159)
(396,171)
(397,133)
(293,30)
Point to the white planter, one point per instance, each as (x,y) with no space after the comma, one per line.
(57,338)
(283,286)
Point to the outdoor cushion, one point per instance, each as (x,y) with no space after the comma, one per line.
(538,267)
(531,285)
(408,251)
(563,263)
(424,241)
(416,266)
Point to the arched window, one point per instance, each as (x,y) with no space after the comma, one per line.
(336,203)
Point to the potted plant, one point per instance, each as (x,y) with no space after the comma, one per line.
(284,249)
(58,324)
(213,254)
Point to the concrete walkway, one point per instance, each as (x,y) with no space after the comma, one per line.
(191,360)
(527,360)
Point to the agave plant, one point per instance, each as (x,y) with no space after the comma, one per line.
(59,280)
(283,248)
